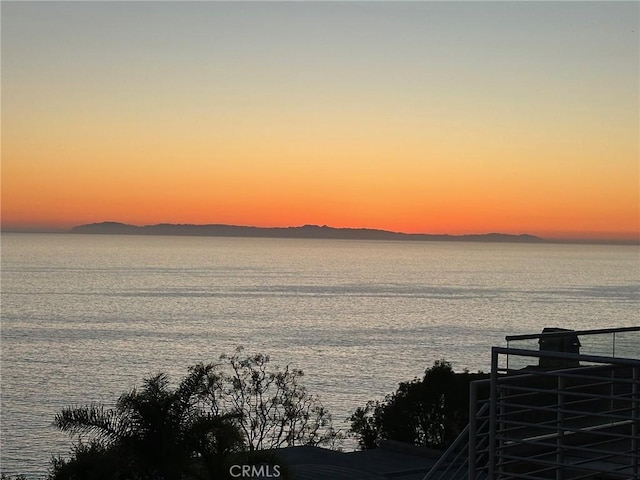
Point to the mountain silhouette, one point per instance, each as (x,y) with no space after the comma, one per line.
(305,231)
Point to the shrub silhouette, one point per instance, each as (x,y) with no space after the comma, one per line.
(430,412)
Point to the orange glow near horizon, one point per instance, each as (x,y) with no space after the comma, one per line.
(338,129)
(463,204)
(449,189)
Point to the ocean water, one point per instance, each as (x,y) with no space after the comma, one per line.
(85,318)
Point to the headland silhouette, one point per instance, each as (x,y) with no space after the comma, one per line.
(305,231)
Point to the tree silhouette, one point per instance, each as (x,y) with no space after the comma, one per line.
(233,411)
(155,432)
(273,408)
(430,412)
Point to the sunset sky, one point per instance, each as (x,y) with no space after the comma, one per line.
(434,117)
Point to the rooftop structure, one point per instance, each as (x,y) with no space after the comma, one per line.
(552,413)
(393,460)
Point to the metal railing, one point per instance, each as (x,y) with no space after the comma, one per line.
(564,423)
(567,416)
(470,449)
(614,342)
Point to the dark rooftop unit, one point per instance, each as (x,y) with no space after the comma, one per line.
(560,340)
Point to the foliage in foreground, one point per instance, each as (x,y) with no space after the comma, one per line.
(430,412)
(219,415)
(273,409)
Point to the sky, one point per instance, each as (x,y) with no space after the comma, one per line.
(433,117)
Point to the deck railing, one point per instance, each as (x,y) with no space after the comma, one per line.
(579,419)
(566,423)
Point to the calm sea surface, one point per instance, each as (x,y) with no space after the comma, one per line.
(86,318)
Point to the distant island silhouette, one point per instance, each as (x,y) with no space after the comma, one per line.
(305,231)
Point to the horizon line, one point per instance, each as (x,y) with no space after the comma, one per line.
(48,229)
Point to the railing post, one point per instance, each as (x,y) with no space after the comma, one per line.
(493,400)
(635,415)
(473,425)
(612,391)
(613,348)
(507,355)
(560,429)
(495,469)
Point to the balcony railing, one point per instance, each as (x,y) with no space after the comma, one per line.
(563,416)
